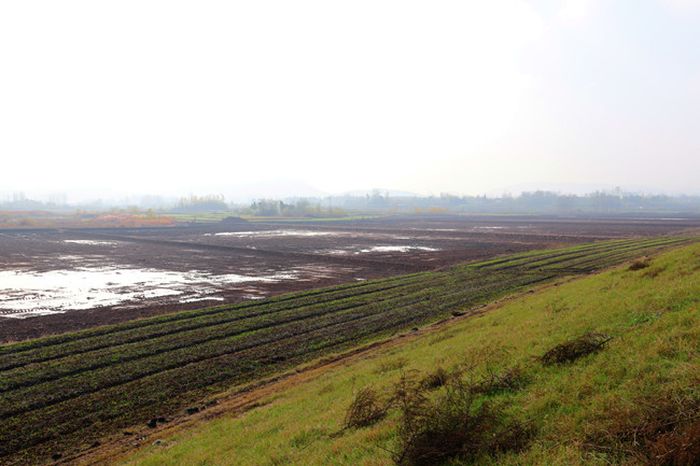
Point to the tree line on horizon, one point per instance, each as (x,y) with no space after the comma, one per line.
(543,202)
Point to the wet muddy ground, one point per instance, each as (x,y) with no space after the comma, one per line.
(59,280)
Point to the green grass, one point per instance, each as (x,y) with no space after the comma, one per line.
(126,374)
(652,314)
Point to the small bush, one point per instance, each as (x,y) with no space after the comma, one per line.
(409,397)
(365,409)
(455,426)
(435,379)
(639,264)
(574,349)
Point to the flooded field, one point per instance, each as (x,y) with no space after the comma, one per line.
(29,293)
(53,281)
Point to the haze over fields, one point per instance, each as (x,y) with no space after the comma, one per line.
(307,98)
(387,232)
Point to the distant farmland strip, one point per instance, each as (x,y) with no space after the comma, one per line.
(54,390)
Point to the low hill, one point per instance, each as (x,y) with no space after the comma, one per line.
(598,370)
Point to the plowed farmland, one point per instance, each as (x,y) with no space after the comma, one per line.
(59,280)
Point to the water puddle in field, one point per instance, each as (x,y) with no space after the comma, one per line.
(396,249)
(251,296)
(90,242)
(25,293)
(375,249)
(333,251)
(197,299)
(362,250)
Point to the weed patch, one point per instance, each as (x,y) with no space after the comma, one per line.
(436,379)
(307,437)
(454,426)
(640,264)
(664,431)
(574,349)
(653,272)
(391,365)
(366,409)
(494,382)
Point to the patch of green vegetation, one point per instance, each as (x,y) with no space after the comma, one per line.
(633,400)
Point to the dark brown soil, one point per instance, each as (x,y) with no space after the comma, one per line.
(323,254)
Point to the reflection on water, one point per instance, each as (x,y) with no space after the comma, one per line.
(90,242)
(398,249)
(403,248)
(197,299)
(28,293)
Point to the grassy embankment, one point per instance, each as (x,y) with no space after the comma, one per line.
(636,400)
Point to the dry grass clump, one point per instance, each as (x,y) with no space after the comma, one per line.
(458,423)
(653,272)
(365,409)
(391,365)
(436,379)
(664,431)
(640,264)
(574,349)
(454,426)
(680,447)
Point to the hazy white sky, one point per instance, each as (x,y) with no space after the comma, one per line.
(460,96)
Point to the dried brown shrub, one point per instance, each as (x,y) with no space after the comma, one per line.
(639,264)
(366,409)
(680,447)
(574,349)
(454,426)
(436,379)
(664,431)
